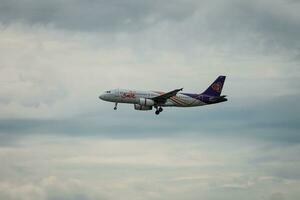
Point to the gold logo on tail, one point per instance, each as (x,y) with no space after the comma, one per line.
(217,87)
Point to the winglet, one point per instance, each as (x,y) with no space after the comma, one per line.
(177,90)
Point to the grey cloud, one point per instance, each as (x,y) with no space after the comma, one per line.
(48,188)
(93,15)
(30,84)
(277,196)
(223,19)
(243,27)
(91,168)
(272,163)
(222,143)
(232,27)
(275,120)
(72,195)
(8,139)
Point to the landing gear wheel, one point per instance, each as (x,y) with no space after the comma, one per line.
(157,112)
(116,106)
(160,109)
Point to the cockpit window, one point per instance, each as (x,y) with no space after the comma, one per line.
(107,91)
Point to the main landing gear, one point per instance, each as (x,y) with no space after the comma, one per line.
(116,106)
(158,110)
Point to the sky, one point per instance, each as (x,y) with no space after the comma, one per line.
(59,141)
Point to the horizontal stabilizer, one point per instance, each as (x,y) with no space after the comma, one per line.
(218,99)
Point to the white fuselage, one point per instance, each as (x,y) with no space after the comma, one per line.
(134,97)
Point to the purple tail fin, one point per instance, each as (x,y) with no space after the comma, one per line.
(215,88)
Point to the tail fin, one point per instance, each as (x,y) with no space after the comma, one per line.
(216,87)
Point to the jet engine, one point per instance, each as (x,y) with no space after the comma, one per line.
(146,102)
(140,107)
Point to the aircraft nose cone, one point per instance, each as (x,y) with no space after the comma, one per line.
(101,97)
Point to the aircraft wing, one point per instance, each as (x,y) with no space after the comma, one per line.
(163,98)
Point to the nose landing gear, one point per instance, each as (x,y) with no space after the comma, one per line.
(158,110)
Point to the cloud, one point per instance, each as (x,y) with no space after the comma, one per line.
(59,141)
(273,120)
(277,196)
(264,26)
(62,73)
(51,167)
(93,15)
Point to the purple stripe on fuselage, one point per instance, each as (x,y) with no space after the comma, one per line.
(206,98)
(200,97)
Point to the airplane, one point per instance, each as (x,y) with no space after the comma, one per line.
(146,100)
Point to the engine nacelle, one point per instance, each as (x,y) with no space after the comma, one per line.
(140,107)
(146,102)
